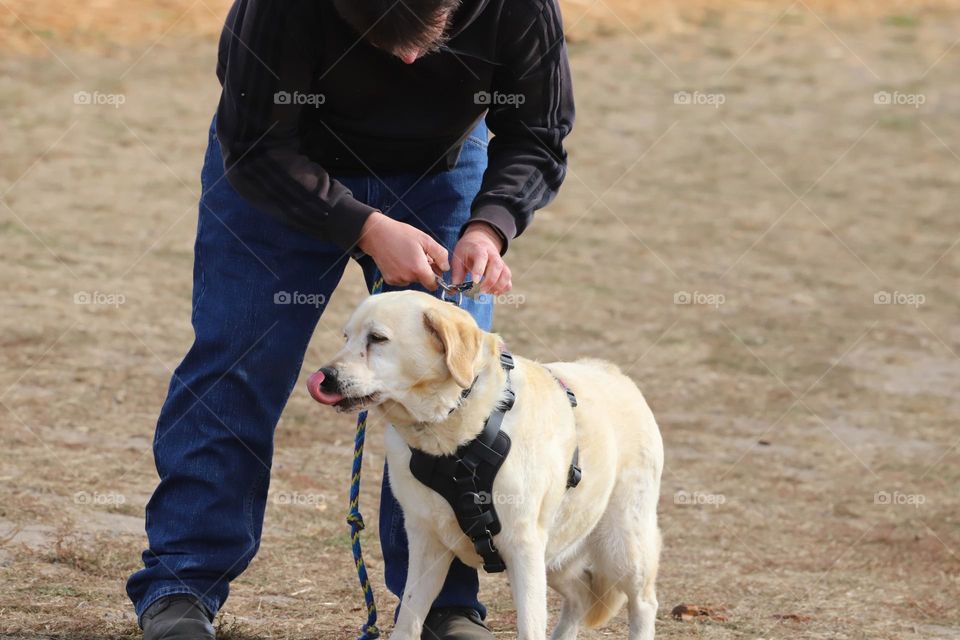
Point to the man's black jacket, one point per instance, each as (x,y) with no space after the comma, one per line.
(304,97)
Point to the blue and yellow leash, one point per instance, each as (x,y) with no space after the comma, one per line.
(370,631)
(355,520)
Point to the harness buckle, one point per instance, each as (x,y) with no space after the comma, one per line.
(483,544)
(574,475)
(506,360)
(508,399)
(492,562)
(494,567)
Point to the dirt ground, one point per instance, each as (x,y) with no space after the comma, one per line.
(759,225)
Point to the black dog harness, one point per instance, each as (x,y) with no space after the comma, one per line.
(465,477)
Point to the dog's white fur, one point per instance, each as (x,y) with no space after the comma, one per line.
(597,545)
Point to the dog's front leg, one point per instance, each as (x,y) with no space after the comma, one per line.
(429,563)
(528,580)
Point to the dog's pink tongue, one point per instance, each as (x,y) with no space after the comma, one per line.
(321,396)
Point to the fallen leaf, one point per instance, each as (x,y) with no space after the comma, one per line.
(691,611)
(793,617)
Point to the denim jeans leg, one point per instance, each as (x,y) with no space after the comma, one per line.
(259,290)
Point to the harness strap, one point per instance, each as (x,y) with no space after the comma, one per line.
(575,473)
(465,478)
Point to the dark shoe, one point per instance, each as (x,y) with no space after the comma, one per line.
(457,623)
(178,617)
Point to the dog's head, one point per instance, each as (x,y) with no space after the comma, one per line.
(406,352)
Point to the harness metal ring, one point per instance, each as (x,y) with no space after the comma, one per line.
(453,292)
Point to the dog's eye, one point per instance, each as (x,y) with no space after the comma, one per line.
(377,338)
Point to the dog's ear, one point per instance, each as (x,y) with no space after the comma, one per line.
(461,340)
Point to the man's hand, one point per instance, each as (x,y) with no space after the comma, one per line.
(478,253)
(403,253)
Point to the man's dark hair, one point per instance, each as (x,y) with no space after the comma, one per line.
(399,24)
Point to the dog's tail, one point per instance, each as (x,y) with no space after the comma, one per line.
(606,599)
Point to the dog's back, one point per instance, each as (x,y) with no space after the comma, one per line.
(621,453)
(610,402)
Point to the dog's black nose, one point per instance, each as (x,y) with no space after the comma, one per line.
(330,382)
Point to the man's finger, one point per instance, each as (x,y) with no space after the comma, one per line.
(424,272)
(459,266)
(477,263)
(505,283)
(494,269)
(437,252)
(425,276)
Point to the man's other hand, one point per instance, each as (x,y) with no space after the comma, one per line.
(478,253)
(403,253)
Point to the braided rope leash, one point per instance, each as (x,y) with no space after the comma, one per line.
(370,631)
(355,520)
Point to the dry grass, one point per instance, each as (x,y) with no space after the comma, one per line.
(104,25)
(798,400)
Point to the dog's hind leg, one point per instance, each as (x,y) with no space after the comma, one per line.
(642,597)
(642,611)
(572,582)
(642,557)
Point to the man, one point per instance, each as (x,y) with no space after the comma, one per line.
(361,126)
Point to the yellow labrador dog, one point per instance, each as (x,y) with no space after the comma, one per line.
(409,357)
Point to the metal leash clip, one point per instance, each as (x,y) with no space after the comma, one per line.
(453,293)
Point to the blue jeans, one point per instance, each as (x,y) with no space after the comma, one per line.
(259,288)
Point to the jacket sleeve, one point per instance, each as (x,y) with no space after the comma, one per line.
(531,112)
(266,85)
